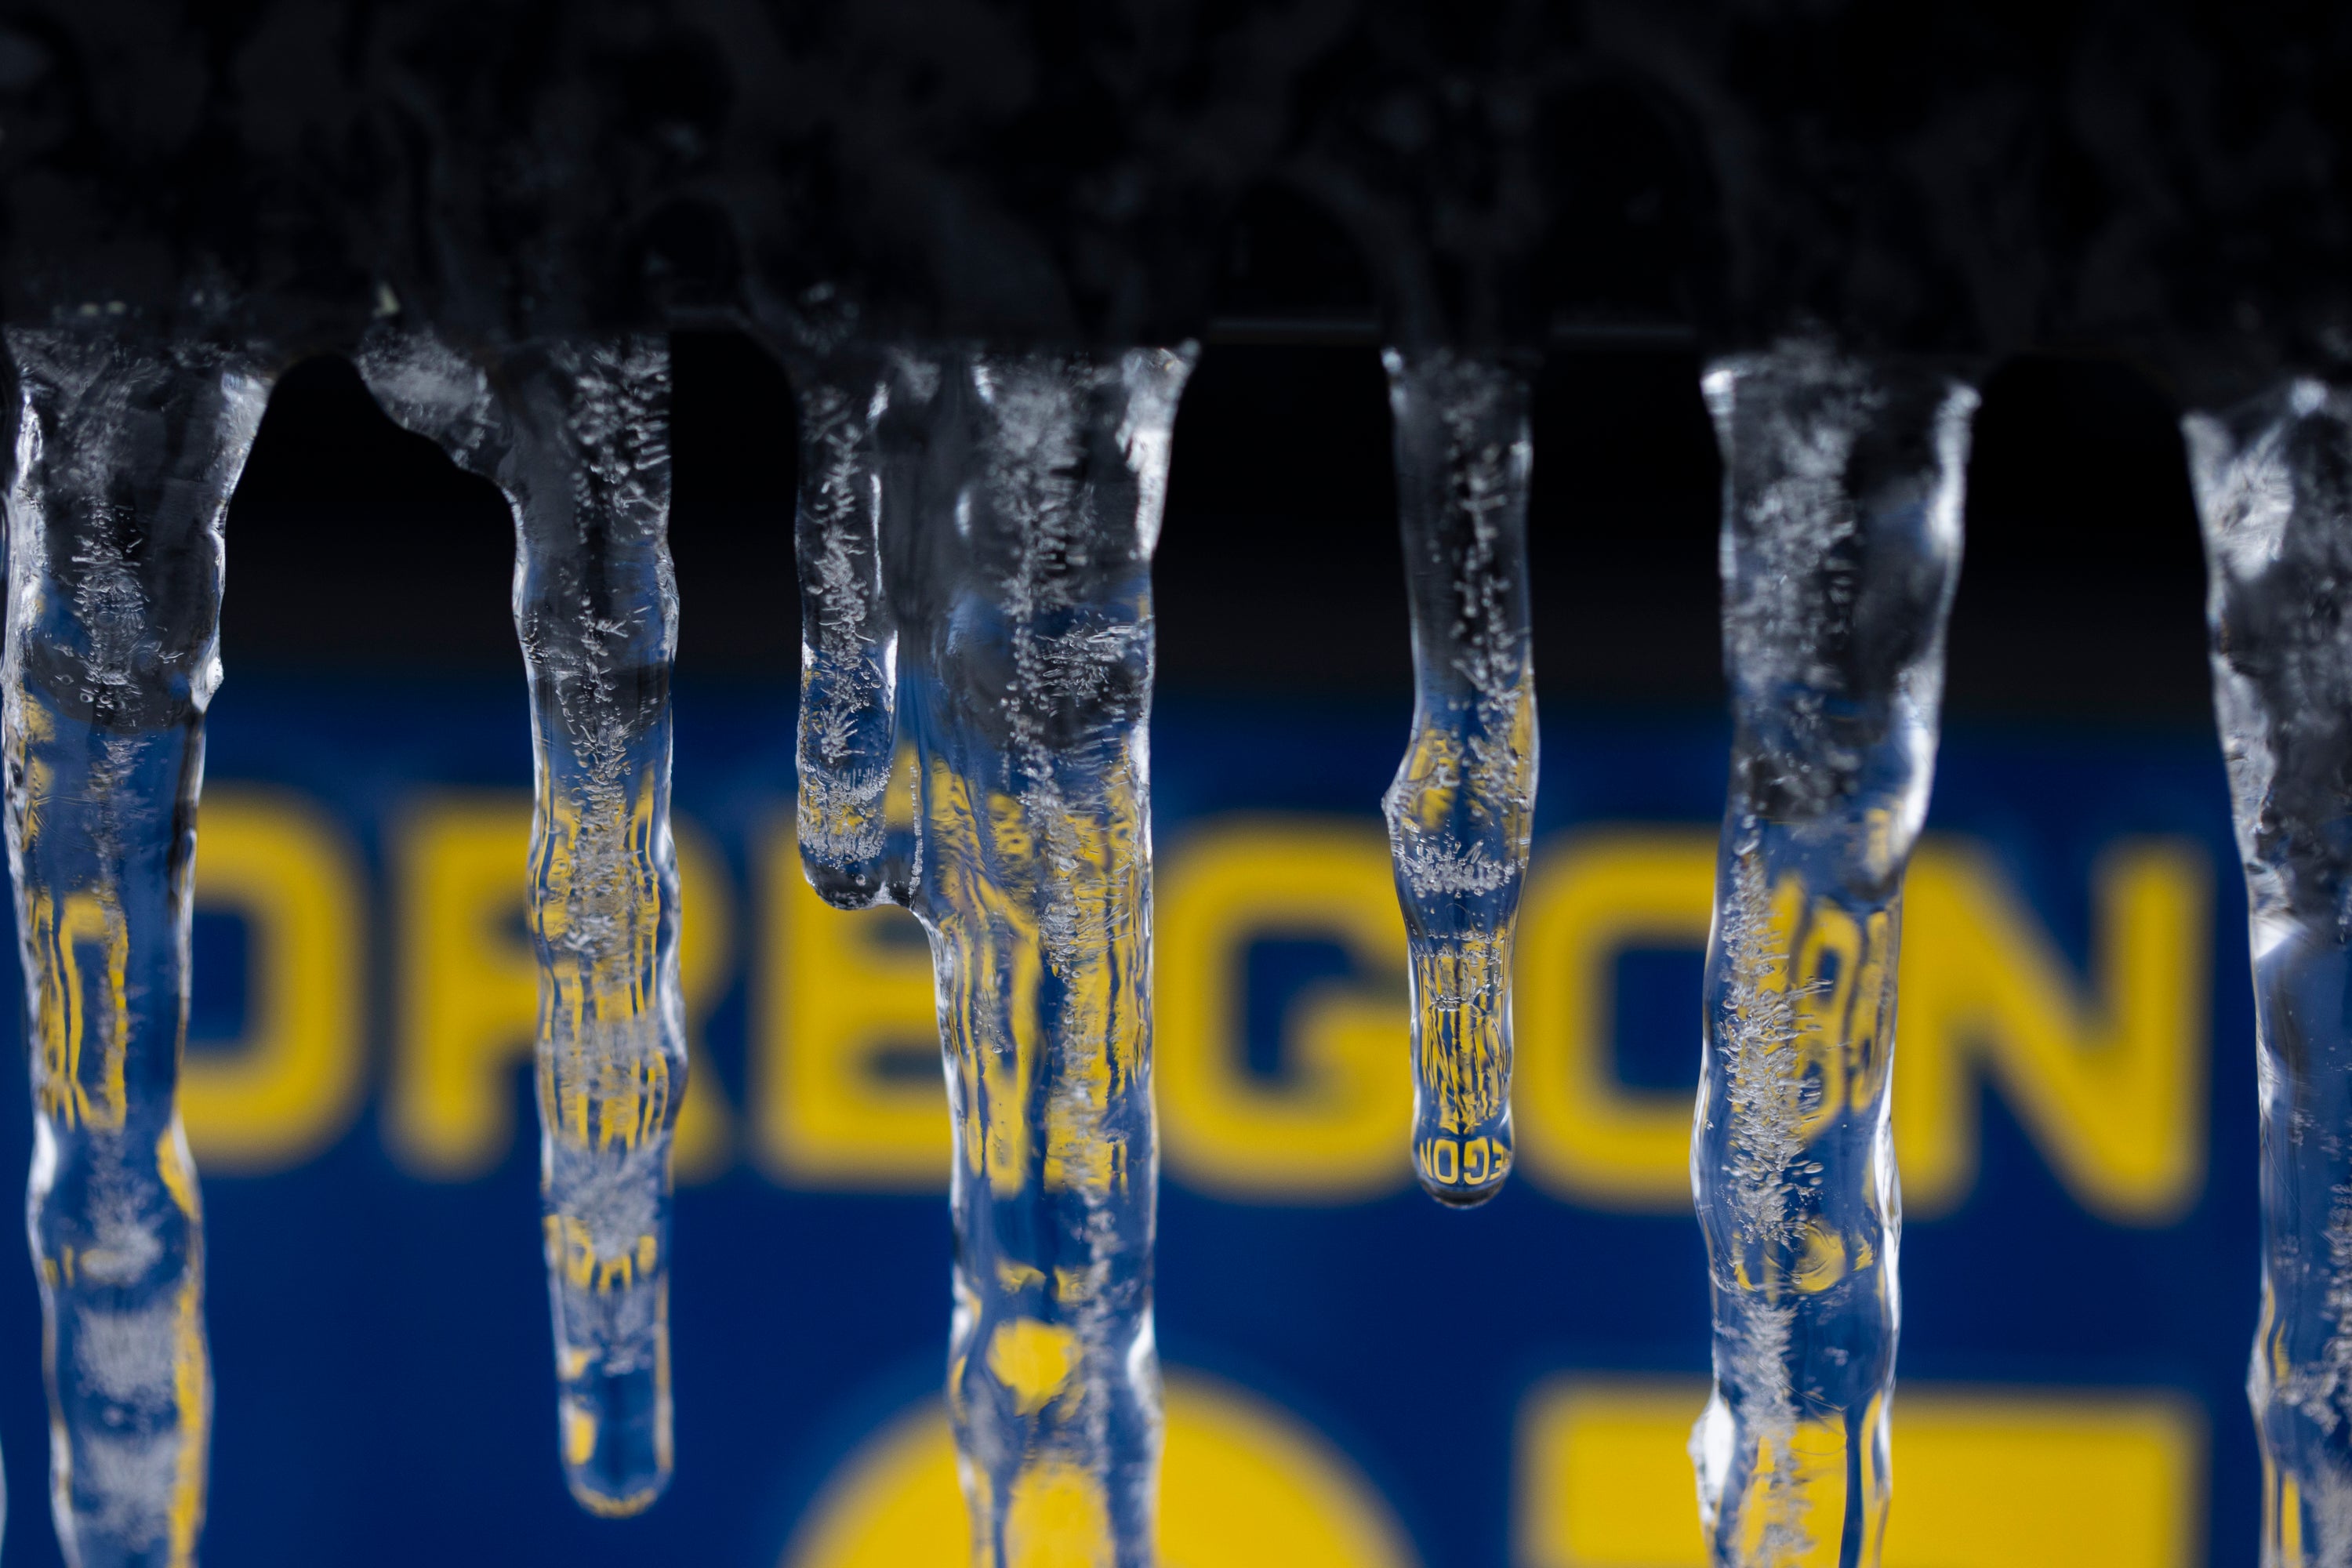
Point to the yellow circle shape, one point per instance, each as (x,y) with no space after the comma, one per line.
(1243,1484)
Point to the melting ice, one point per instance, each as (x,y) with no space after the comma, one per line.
(126,454)
(1005,508)
(1462,808)
(849,675)
(575,433)
(1841,547)
(2274,485)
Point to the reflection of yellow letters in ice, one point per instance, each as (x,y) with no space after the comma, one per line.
(288,1086)
(1983,1478)
(1243,1484)
(2107,1077)
(845,1085)
(2111,1084)
(1332,1130)
(990,960)
(468,985)
(83,948)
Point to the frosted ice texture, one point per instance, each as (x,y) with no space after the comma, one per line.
(2273,483)
(849,646)
(1843,486)
(575,433)
(1461,808)
(1019,503)
(126,454)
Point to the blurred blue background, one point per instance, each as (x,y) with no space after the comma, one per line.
(1356,1372)
(378,1312)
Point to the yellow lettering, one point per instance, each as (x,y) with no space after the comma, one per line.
(288,1086)
(2092,1478)
(704,1143)
(1335,1129)
(1584,1137)
(469,986)
(2110,1084)
(848,1091)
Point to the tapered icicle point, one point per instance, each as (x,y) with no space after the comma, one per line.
(2273,483)
(850,648)
(1843,486)
(126,454)
(1461,810)
(575,433)
(1019,502)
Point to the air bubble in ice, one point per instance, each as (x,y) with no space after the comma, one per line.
(1461,810)
(1841,547)
(575,433)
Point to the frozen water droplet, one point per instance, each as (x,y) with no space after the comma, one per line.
(1461,810)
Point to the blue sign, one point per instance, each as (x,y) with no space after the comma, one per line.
(1357,1376)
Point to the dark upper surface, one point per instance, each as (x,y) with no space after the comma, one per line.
(2113,206)
(1963,176)
(353,544)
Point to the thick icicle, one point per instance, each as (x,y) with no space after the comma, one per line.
(126,454)
(850,648)
(1461,810)
(574,433)
(1843,486)
(2274,482)
(1020,503)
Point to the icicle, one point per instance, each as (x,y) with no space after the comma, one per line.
(849,650)
(2274,482)
(1021,500)
(126,455)
(1842,486)
(1461,810)
(575,434)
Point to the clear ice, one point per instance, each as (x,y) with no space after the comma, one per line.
(1461,810)
(2274,485)
(126,454)
(575,433)
(1842,488)
(849,647)
(1017,502)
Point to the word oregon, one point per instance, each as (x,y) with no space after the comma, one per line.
(1272,1090)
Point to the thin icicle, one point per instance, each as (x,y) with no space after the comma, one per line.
(575,434)
(1461,811)
(2274,482)
(126,455)
(1021,500)
(850,648)
(1843,485)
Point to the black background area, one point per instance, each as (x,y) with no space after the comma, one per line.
(353,544)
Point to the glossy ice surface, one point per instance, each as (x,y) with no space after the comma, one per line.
(575,433)
(1018,502)
(1460,810)
(1841,547)
(2273,483)
(126,454)
(849,646)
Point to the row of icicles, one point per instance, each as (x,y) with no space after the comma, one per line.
(975,535)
